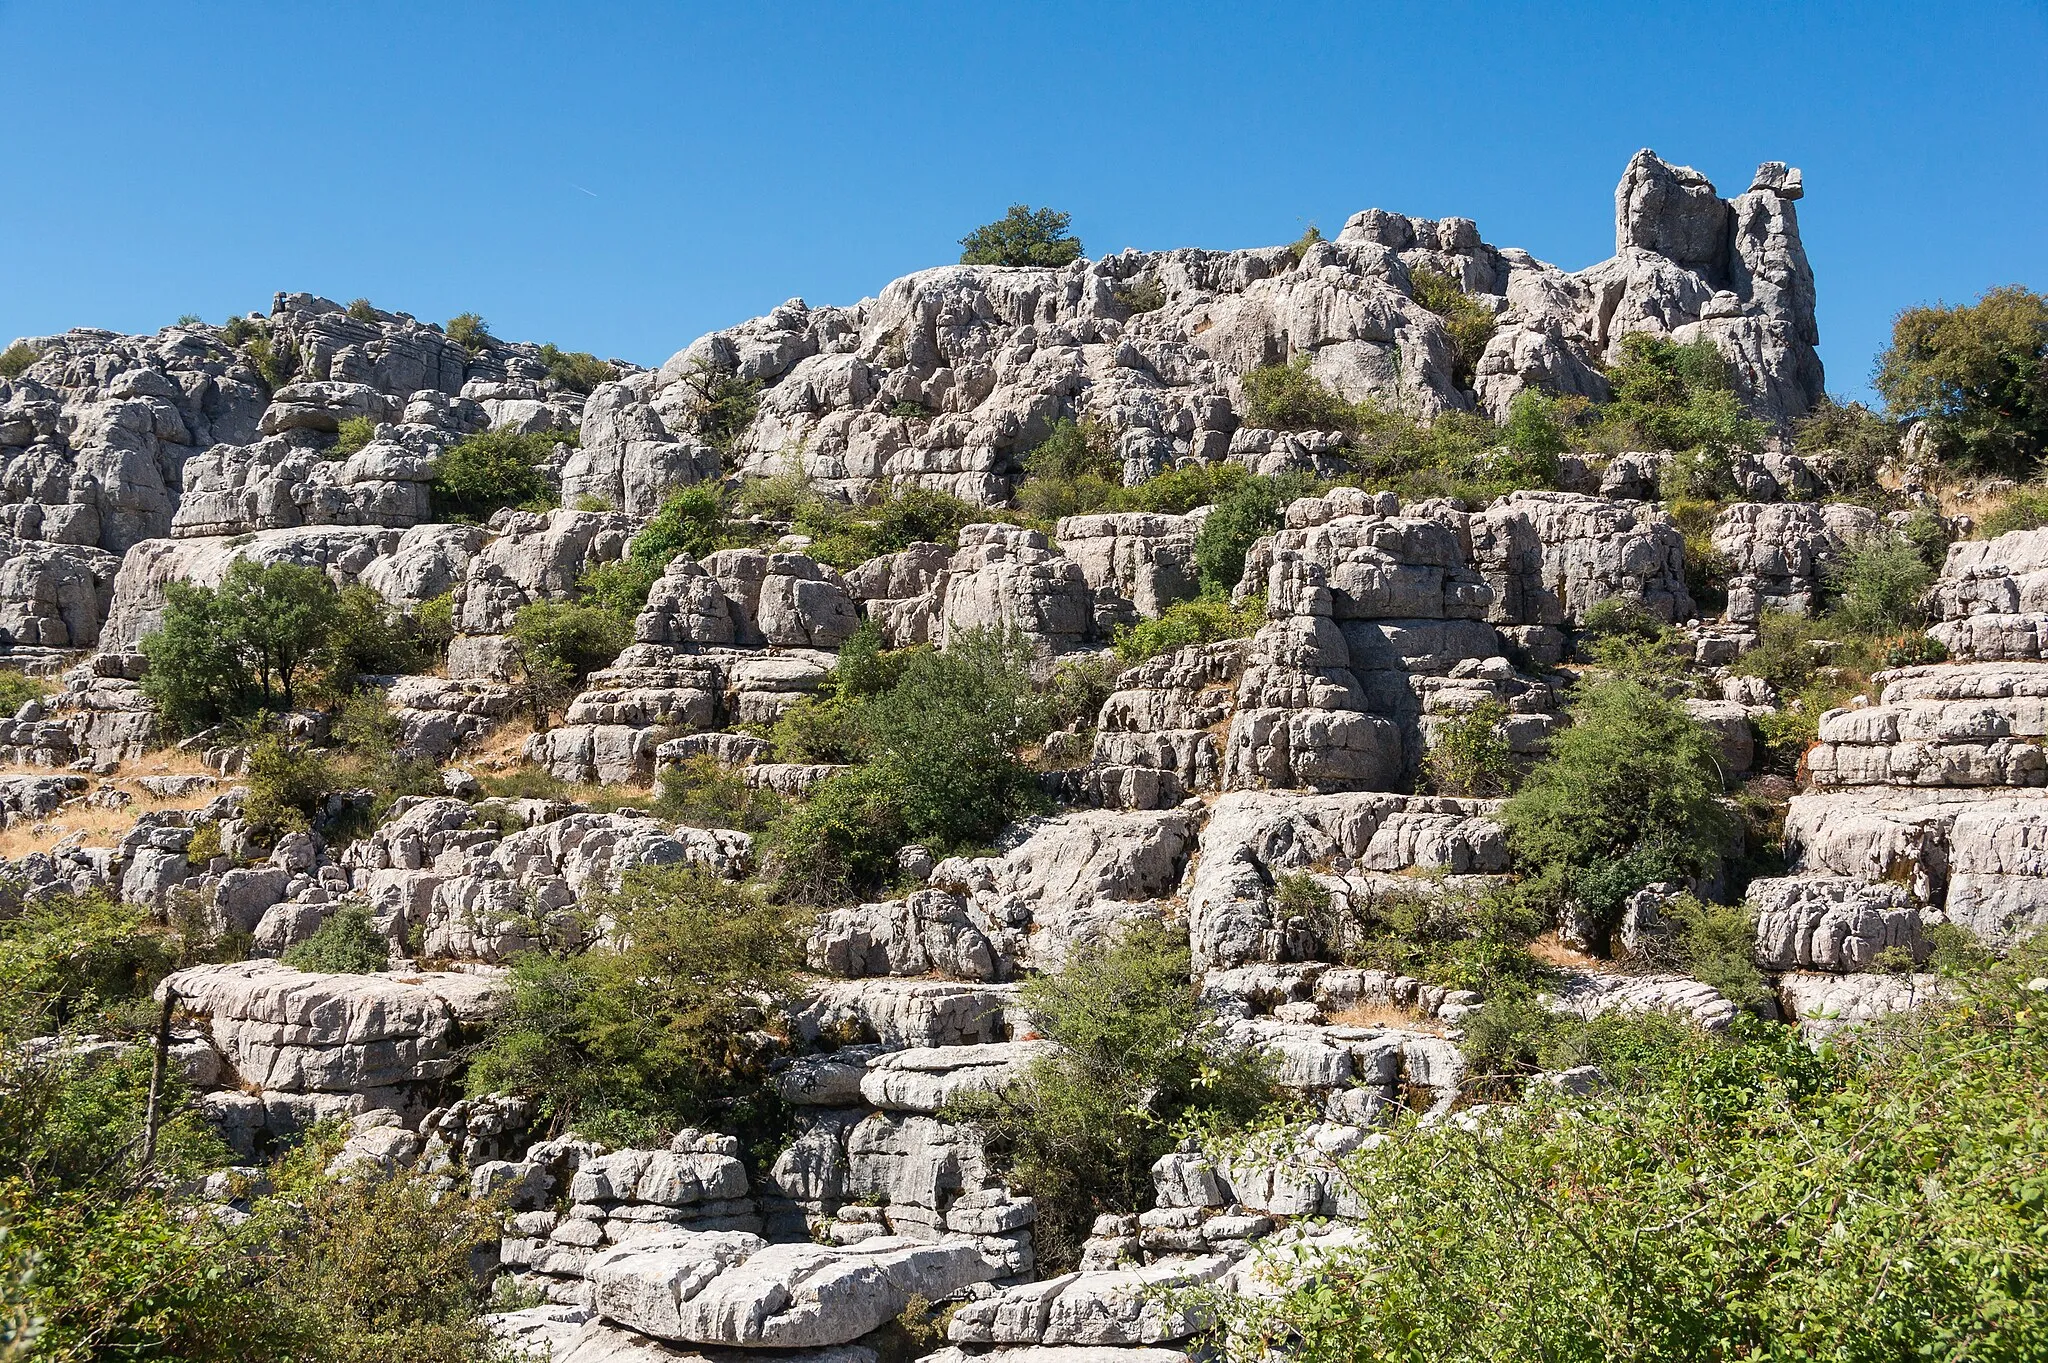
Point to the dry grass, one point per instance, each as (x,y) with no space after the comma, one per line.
(1385,1015)
(105,827)
(1548,950)
(498,750)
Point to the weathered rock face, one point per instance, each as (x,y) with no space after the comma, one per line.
(1832,923)
(1550,556)
(948,376)
(53,595)
(1254,837)
(1991,601)
(1980,724)
(536,556)
(344,553)
(1777,554)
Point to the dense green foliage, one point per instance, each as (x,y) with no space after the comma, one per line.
(15,360)
(1863,438)
(1742,1197)
(1469,322)
(1678,397)
(1072,472)
(1143,1064)
(1627,797)
(79,961)
(1289,397)
(1252,508)
(1460,941)
(632,1041)
(355,432)
(493,470)
(18,689)
(1023,236)
(348,943)
(1184,623)
(1977,376)
(1469,755)
(225,652)
(705,792)
(576,370)
(469,331)
(843,534)
(938,765)
(1878,583)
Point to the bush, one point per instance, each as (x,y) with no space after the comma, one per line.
(1863,438)
(1977,376)
(576,370)
(222,653)
(655,1032)
(1539,425)
(15,360)
(1145,294)
(1469,754)
(74,960)
(1298,248)
(1714,944)
(1141,1061)
(723,404)
(841,841)
(689,523)
(2024,508)
(1254,508)
(355,432)
(370,639)
(844,535)
(1469,322)
(1186,623)
(1288,397)
(18,689)
(348,943)
(1620,635)
(1023,236)
(865,667)
(1680,397)
(1078,689)
(1430,932)
(286,786)
(491,471)
(559,645)
(468,330)
(827,729)
(1074,471)
(1628,796)
(707,794)
(1737,1197)
(1879,581)
(276,365)
(620,587)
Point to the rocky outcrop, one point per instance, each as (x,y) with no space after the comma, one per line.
(1778,555)
(1833,923)
(1991,600)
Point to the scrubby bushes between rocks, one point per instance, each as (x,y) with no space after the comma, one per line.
(348,943)
(657,1030)
(1186,623)
(15,360)
(1142,1064)
(1737,1197)
(493,470)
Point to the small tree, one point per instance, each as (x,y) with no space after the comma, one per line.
(197,675)
(1469,756)
(1249,510)
(1881,580)
(1023,236)
(1977,375)
(492,470)
(1628,796)
(282,614)
(561,643)
(467,330)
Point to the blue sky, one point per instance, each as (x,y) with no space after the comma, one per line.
(622,178)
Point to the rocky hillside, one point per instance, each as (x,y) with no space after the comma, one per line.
(1313,793)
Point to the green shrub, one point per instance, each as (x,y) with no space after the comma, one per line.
(468,330)
(653,1033)
(368,638)
(1430,932)
(219,654)
(18,689)
(1074,471)
(1623,637)
(723,404)
(1956,952)
(197,675)
(1141,1061)
(1185,623)
(689,523)
(73,960)
(844,535)
(348,943)
(1879,581)
(15,360)
(355,432)
(820,729)
(1733,1197)
(865,667)
(361,310)
(238,329)
(283,616)
(1976,375)
(2024,508)
(842,840)
(1254,508)
(1539,425)
(1714,944)
(1288,397)
(286,785)
(560,644)
(1928,533)
(1863,438)
(1628,795)
(275,364)
(1469,755)
(490,471)
(619,587)
(576,370)
(1680,397)
(707,794)
(1469,322)
(1023,236)
(1078,689)
(1144,294)
(1298,248)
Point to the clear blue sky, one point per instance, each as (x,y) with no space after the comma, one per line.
(622,178)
